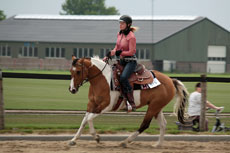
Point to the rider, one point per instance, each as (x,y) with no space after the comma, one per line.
(125,49)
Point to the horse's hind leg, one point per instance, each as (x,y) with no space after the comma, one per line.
(162,123)
(145,124)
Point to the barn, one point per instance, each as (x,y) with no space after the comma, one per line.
(190,44)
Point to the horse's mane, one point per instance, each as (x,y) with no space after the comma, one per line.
(104,67)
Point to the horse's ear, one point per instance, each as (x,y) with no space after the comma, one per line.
(73,57)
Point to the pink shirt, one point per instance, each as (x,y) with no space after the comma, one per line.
(125,43)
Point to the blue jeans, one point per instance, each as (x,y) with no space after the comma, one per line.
(129,68)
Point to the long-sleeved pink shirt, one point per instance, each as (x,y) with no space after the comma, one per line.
(125,43)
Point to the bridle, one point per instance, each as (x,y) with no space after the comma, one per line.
(91,78)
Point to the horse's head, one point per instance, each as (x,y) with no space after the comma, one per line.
(79,73)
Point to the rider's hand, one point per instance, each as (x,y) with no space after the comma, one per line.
(105,59)
(118,52)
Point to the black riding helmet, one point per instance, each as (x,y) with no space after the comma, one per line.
(125,18)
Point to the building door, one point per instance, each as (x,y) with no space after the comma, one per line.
(216,59)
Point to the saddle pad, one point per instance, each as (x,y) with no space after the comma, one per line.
(154,84)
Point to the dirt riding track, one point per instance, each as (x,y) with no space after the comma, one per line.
(112,147)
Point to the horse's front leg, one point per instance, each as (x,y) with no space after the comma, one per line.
(78,134)
(88,118)
(91,127)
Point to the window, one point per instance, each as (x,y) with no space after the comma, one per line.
(104,51)
(80,53)
(143,53)
(47,52)
(28,50)
(55,52)
(83,52)
(63,52)
(36,52)
(91,52)
(217,59)
(5,50)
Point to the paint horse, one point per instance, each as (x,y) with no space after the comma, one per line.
(102,99)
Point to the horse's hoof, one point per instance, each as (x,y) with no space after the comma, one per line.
(157,145)
(98,138)
(72,143)
(123,144)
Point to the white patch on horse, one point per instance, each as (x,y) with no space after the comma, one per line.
(74,68)
(101,65)
(72,84)
(114,95)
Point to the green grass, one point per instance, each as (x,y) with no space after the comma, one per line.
(54,95)
(42,94)
(103,124)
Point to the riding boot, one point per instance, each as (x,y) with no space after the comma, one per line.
(131,100)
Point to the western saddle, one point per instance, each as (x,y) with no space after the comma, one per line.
(140,76)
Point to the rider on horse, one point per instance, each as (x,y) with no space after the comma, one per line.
(125,49)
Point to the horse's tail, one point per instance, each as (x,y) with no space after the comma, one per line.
(181,100)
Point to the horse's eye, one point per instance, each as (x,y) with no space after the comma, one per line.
(78,72)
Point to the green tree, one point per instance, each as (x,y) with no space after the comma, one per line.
(2,15)
(87,7)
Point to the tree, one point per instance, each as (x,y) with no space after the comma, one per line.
(87,7)
(2,15)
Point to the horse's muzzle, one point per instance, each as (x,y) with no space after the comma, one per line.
(73,91)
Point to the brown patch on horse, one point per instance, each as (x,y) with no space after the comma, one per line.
(98,99)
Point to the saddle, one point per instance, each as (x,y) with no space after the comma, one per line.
(140,76)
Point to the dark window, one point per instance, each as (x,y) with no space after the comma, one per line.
(3,51)
(101,54)
(137,53)
(80,53)
(142,54)
(25,51)
(47,52)
(85,52)
(75,52)
(147,54)
(63,52)
(52,52)
(8,51)
(57,52)
(107,50)
(91,52)
(30,51)
(20,51)
(35,52)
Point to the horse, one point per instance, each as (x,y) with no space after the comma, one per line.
(102,99)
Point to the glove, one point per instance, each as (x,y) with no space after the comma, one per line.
(109,55)
(118,52)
